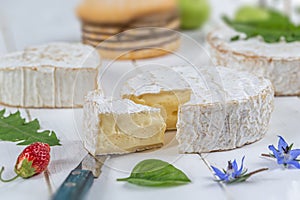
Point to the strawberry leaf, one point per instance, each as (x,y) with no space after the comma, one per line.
(14,128)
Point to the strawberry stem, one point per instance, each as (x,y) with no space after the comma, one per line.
(8,180)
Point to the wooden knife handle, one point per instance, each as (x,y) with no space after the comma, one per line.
(75,186)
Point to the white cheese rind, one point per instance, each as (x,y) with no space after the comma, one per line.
(239,117)
(153,80)
(206,82)
(56,75)
(279,62)
(97,141)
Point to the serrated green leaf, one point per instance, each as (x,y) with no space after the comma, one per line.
(153,172)
(271,29)
(14,128)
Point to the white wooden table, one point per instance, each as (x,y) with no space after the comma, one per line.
(47,24)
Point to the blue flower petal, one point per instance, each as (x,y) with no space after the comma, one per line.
(234,166)
(274,151)
(294,153)
(294,163)
(278,155)
(219,173)
(241,168)
(280,160)
(281,144)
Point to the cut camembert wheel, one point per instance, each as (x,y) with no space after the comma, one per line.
(56,75)
(218,108)
(120,126)
(278,62)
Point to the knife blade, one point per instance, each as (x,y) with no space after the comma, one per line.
(80,179)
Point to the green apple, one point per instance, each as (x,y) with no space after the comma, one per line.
(193,13)
(251,13)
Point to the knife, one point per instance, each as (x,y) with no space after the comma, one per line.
(80,179)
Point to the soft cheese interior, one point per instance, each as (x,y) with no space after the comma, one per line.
(53,75)
(120,126)
(168,101)
(161,88)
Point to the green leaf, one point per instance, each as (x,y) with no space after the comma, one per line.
(252,13)
(290,147)
(240,179)
(271,29)
(153,172)
(14,128)
(235,38)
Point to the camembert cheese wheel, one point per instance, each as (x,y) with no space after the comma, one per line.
(217,108)
(56,75)
(278,62)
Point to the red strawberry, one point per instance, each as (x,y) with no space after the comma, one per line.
(33,160)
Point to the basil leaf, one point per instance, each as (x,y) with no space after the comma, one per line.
(271,29)
(153,172)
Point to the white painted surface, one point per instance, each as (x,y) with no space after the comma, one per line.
(36,22)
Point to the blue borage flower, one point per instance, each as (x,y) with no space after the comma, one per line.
(285,155)
(234,174)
